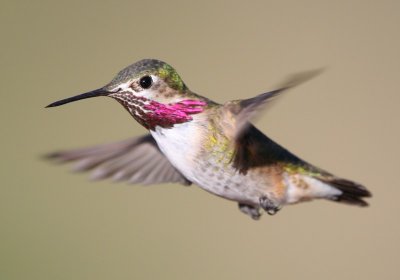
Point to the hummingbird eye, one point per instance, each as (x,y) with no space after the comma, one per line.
(146,82)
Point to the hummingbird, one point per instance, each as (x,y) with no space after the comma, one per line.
(194,140)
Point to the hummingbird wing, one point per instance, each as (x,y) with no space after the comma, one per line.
(241,112)
(252,147)
(137,160)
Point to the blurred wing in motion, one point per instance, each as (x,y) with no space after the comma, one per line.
(244,111)
(138,161)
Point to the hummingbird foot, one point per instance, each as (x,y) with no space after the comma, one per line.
(253,212)
(269,205)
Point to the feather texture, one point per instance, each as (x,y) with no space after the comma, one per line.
(138,161)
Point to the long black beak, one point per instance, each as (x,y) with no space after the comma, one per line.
(90,94)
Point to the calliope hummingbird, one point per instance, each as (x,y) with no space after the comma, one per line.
(194,140)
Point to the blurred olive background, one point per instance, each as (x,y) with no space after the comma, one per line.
(59,225)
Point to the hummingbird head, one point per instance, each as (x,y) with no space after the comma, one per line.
(152,92)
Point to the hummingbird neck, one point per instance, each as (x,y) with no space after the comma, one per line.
(150,113)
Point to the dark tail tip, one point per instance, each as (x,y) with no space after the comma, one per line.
(352,193)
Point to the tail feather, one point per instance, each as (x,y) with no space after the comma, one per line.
(352,193)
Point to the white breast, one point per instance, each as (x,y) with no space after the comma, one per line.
(180,145)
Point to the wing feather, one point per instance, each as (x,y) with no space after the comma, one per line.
(242,112)
(137,160)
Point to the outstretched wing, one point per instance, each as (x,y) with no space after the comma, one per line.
(242,112)
(137,160)
(253,148)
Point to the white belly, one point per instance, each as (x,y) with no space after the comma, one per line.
(181,145)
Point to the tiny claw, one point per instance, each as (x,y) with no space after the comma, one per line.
(253,212)
(269,206)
